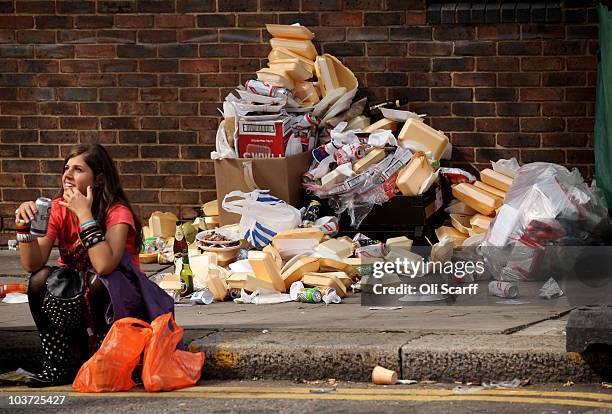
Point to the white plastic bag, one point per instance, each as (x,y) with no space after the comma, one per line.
(263,215)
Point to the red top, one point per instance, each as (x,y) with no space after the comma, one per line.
(64,227)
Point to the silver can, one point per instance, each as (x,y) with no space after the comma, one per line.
(503,289)
(40,222)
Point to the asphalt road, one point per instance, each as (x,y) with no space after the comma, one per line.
(289,397)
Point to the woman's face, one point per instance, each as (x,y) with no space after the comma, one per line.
(77,174)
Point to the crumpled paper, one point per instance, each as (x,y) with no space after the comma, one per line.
(550,289)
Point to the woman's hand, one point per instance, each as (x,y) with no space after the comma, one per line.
(26,211)
(78,203)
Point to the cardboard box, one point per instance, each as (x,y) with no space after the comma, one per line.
(263,139)
(282,176)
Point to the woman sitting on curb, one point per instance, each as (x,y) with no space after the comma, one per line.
(98,236)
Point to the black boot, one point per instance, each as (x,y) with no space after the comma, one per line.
(56,367)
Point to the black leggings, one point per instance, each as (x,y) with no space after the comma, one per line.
(99,299)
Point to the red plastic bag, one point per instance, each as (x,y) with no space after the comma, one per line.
(165,367)
(110,368)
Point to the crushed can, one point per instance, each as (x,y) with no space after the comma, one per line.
(311,214)
(310,295)
(503,289)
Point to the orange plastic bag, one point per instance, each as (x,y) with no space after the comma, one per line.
(110,368)
(165,367)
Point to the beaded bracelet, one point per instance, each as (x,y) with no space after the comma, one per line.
(25,237)
(87,224)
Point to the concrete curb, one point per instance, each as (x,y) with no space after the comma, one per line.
(317,355)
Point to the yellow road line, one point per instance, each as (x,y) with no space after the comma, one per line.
(348,397)
(362,391)
(342,394)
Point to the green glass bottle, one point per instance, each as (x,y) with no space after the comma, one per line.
(186,277)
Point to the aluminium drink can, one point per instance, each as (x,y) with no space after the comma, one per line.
(309,295)
(38,226)
(503,289)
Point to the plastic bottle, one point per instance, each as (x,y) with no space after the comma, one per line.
(186,277)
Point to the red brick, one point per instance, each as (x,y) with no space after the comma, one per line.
(497,64)
(36,36)
(564,79)
(577,156)
(53,22)
(34,7)
(94,22)
(178,80)
(580,94)
(120,65)
(159,94)
(485,155)
(253,50)
(159,151)
(518,79)
(9,151)
(518,109)
(564,109)
(134,167)
(16,22)
(541,94)
(199,65)
(178,167)
(203,182)
(36,94)
(55,52)
(565,139)
(387,79)
(156,6)
(451,94)
(137,79)
(159,123)
(537,155)
(497,124)
(473,109)
(453,124)
(119,122)
(11,180)
(430,48)
(542,31)
(97,79)
(27,166)
(38,66)
(39,151)
(412,33)
(474,79)
(517,139)
(196,151)
(76,36)
(369,34)
(580,124)
(496,94)
(564,47)
(161,181)
(199,94)
(416,18)
(19,136)
(453,64)
(542,124)
(18,108)
(430,79)
(95,51)
(380,19)
(137,108)
(78,66)
(237,5)
(533,47)
(159,65)
(102,137)
(157,36)
(118,94)
(499,32)
(133,21)
(137,137)
(58,108)
(386,49)
(179,109)
(232,65)
(582,63)
(174,21)
(20,194)
(182,197)
(38,122)
(472,139)
(408,64)
(373,64)
(257,20)
(198,123)
(98,108)
(454,32)
(542,63)
(81,122)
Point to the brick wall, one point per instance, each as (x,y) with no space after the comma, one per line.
(145,79)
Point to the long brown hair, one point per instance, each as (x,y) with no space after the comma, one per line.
(110,191)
